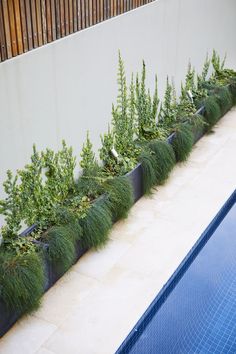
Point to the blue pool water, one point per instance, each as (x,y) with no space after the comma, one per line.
(196,311)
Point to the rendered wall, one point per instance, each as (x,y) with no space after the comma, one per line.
(66,88)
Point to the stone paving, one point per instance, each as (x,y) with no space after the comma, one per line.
(93,307)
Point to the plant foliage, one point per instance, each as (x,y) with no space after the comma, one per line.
(61,245)
(224,99)
(168,109)
(212,111)
(165,158)
(96,224)
(22,280)
(120,196)
(183,142)
(147,108)
(149,167)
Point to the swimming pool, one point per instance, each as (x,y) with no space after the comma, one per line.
(196,310)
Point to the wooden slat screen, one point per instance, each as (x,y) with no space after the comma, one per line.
(28,24)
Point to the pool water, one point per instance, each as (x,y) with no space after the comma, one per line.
(198,315)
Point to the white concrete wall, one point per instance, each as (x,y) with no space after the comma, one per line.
(67,87)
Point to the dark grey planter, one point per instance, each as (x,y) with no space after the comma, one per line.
(7,318)
(136,178)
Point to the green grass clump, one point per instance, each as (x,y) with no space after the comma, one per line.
(22,280)
(165,157)
(66,217)
(62,245)
(120,196)
(197,123)
(212,111)
(232,89)
(96,224)
(183,142)
(149,167)
(224,99)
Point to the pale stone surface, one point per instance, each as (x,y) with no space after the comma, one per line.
(27,336)
(93,308)
(61,300)
(44,351)
(104,259)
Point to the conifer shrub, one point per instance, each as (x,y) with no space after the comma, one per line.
(22,280)
(96,224)
(90,181)
(149,167)
(183,142)
(120,196)
(146,108)
(165,158)
(168,109)
(212,111)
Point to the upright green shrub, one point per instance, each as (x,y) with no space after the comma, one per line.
(217,64)
(212,111)
(122,116)
(118,151)
(89,183)
(96,224)
(11,206)
(168,110)
(186,106)
(182,142)
(22,280)
(59,166)
(149,167)
(200,92)
(88,159)
(146,107)
(120,196)
(165,157)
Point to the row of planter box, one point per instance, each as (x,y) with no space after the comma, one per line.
(52,274)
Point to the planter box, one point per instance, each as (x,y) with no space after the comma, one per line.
(53,274)
(136,178)
(7,319)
